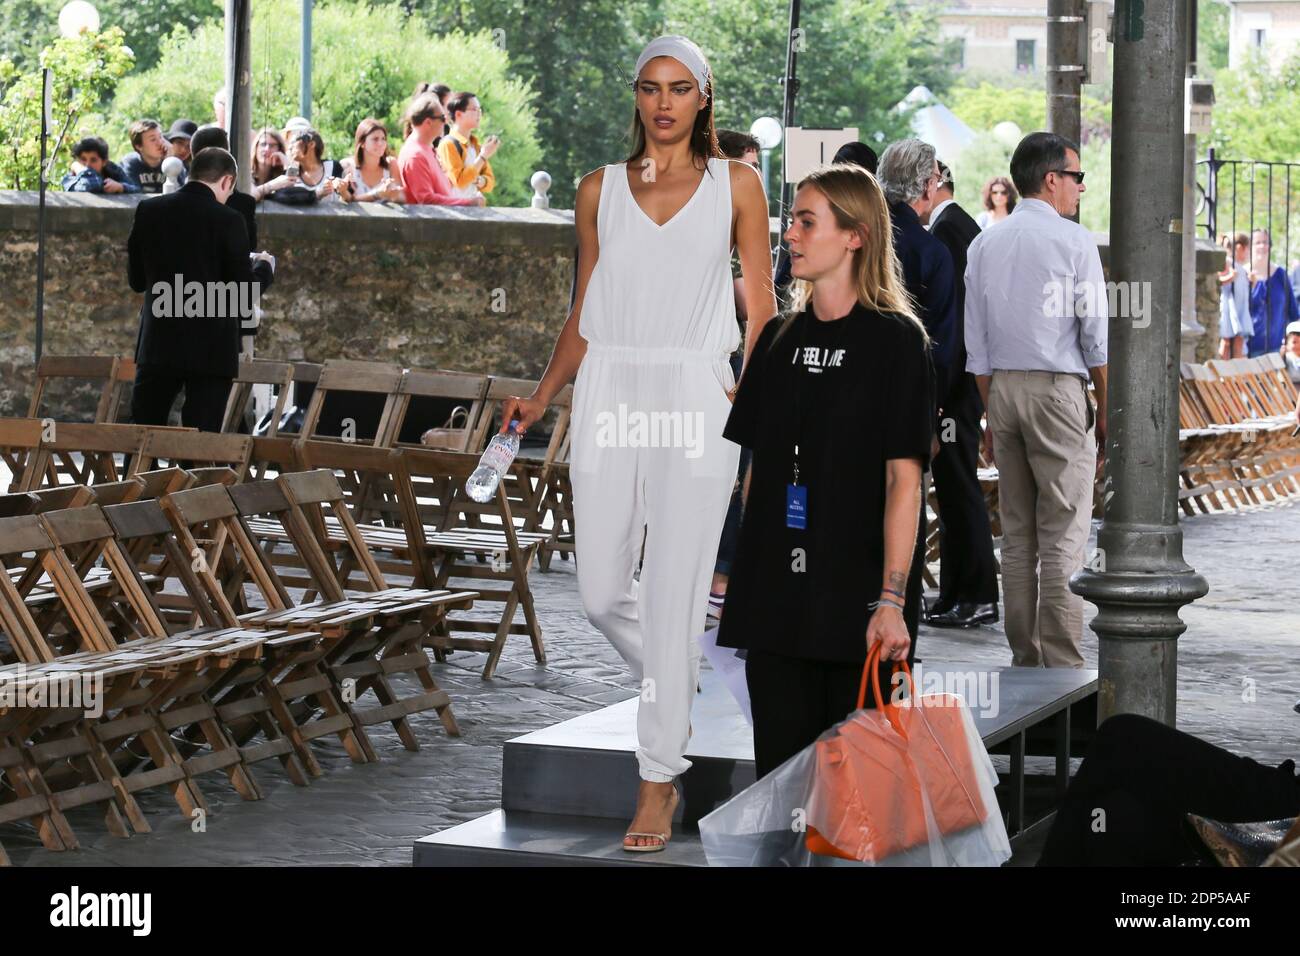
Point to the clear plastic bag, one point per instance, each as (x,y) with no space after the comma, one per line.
(913,786)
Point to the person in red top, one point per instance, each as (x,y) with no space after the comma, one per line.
(422,174)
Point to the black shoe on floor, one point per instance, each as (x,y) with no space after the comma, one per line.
(941,605)
(965,614)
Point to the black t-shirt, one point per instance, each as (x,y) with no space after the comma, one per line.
(852,393)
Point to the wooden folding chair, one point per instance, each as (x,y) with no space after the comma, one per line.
(367,637)
(554,510)
(464,388)
(126,618)
(195,451)
(252,696)
(76,453)
(353,379)
(74,751)
(305,377)
(110,372)
(279,375)
(439,549)
(20,440)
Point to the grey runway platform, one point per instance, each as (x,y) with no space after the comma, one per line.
(568,790)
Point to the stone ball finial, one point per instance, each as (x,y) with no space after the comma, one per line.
(541,183)
(172,168)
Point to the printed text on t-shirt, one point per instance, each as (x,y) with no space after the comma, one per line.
(815,359)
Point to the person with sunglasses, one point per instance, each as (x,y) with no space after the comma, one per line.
(1035,329)
(999,197)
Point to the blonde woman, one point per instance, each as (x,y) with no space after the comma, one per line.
(837,405)
(649,339)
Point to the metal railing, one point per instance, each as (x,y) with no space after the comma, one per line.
(1252,194)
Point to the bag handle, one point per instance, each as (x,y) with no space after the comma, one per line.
(872,670)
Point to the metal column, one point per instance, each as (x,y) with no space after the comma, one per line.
(1138,578)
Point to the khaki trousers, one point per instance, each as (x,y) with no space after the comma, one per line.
(1046,457)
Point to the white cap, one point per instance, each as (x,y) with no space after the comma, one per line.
(1293,328)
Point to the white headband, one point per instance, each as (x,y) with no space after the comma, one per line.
(680,49)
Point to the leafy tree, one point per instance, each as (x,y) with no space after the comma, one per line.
(860,58)
(85,70)
(1211,36)
(577,56)
(28,26)
(366,61)
(984,106)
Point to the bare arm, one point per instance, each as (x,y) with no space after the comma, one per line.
(754,245)
(902,508)
(1098,375)
(570,347)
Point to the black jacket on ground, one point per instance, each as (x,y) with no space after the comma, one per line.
(190,234)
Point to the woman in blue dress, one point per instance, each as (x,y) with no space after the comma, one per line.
(1272,299)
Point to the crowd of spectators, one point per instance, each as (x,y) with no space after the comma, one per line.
(441,160)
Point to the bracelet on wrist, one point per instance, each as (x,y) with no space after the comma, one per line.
(886,602)
(898,594)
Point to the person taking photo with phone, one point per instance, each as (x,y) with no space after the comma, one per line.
(463,158)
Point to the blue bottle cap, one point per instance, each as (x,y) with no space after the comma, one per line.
(514,422)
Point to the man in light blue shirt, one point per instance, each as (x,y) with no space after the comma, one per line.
(1035,329)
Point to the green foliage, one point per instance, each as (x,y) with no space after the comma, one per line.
(28,26)
(85,70)
(366,60)
(984,106)
(1255,111)
(577,57)
(1211,36)
(860,58)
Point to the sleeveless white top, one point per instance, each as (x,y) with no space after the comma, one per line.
(354,174)
(662,288)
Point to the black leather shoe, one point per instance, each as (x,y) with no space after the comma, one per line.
(940,606)
(965,614)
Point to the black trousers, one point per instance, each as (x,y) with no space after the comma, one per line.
(794,700)
(967,570)
(1127,804)
(156,389)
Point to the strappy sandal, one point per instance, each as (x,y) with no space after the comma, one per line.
(663,838)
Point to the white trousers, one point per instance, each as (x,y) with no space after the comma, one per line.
(649,464)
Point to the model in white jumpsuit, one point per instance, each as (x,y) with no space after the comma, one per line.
(659,318)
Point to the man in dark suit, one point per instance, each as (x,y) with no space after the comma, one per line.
(968,576)
(241,202)
(189,255)
(909,175)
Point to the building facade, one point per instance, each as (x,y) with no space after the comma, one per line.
(1267,28)
(996,36)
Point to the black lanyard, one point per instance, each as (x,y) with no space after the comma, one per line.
(801,373)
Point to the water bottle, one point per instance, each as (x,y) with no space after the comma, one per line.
(500,452)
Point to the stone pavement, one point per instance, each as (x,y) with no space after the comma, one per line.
(1238,682)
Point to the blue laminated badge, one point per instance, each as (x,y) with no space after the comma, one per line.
(796,506)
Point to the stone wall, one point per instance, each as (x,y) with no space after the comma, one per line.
(479,290)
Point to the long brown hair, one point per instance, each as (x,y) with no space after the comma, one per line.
(259,174)
(858,203)
(987,193)
(364,129)
(704,139)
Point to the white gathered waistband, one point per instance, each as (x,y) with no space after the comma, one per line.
(637,353)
